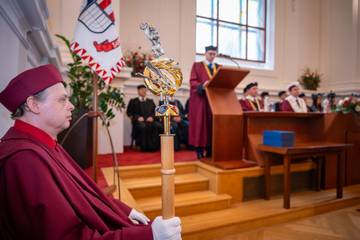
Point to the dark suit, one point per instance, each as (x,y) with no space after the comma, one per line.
(278,106)
(146,134)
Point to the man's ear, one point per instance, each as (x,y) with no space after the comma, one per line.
(32,105)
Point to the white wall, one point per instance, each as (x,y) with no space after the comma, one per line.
(9,47)
(340,44)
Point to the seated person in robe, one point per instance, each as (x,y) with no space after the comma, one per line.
(293,103)
(308,104)
(265,98)
(243,97)
(252,101)
(329,103)
(186,111)
(146,128)
(44,194)
(316,105)
(282,95)
(179,125)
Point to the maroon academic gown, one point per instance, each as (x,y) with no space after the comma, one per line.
(286,107)
(247,107)
(45,195)
(200,118)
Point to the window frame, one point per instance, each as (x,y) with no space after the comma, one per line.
(240,25)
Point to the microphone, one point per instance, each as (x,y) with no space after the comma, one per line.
(229,58)
(224,55)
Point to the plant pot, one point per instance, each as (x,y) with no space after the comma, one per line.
(79,141)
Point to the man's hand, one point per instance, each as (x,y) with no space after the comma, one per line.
(169,229)
(137,217)
(177,119)
(150,119)
(140,119)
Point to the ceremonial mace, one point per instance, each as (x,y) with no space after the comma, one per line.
(163,78)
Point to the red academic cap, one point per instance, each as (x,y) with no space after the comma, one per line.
(29,83)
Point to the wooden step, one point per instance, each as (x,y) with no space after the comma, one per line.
(151,186)
(187,203)
(151,170)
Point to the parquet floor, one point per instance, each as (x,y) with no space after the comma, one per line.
(338,225)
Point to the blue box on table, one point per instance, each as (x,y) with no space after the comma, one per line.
(277,138)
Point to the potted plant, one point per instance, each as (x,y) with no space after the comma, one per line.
(349,105)
(136,60)
(310,80)
(79,141)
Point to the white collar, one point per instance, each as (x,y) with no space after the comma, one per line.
(251,98)
(291,97)
(207,62)
(140,99)
(296,103)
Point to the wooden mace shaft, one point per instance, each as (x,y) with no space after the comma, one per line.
(167,175)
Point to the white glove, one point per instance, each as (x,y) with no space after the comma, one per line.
(169,229)
(137,217)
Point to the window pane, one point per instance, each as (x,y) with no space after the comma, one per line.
(205,34)
(256,13)
(229,10)
(232,40)
(206,8)
(243,11)
(256,44)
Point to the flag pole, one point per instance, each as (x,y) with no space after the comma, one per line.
(99,22)
(95,127)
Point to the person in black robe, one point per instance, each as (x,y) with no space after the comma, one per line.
(145,128)
(187,110)
(179,125)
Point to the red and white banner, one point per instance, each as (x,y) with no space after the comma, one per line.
(96,39)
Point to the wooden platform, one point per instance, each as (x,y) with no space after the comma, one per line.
(210,200)
(259,213)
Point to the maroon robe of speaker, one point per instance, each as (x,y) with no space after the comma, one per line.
(200,119)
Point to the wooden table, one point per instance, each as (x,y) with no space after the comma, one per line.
(316,150)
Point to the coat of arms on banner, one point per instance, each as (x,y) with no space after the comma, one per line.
(96,39)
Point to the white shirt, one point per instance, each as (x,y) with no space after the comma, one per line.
(142,99)
(251,98)
(207,63)
(297,104)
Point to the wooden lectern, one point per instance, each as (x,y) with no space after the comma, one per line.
(228,121)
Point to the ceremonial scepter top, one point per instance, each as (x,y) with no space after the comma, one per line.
(162,77)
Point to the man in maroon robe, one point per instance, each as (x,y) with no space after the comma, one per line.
(200,119)
(242,100)
(293,103)
(43,193)
(282,95)
(252,102)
